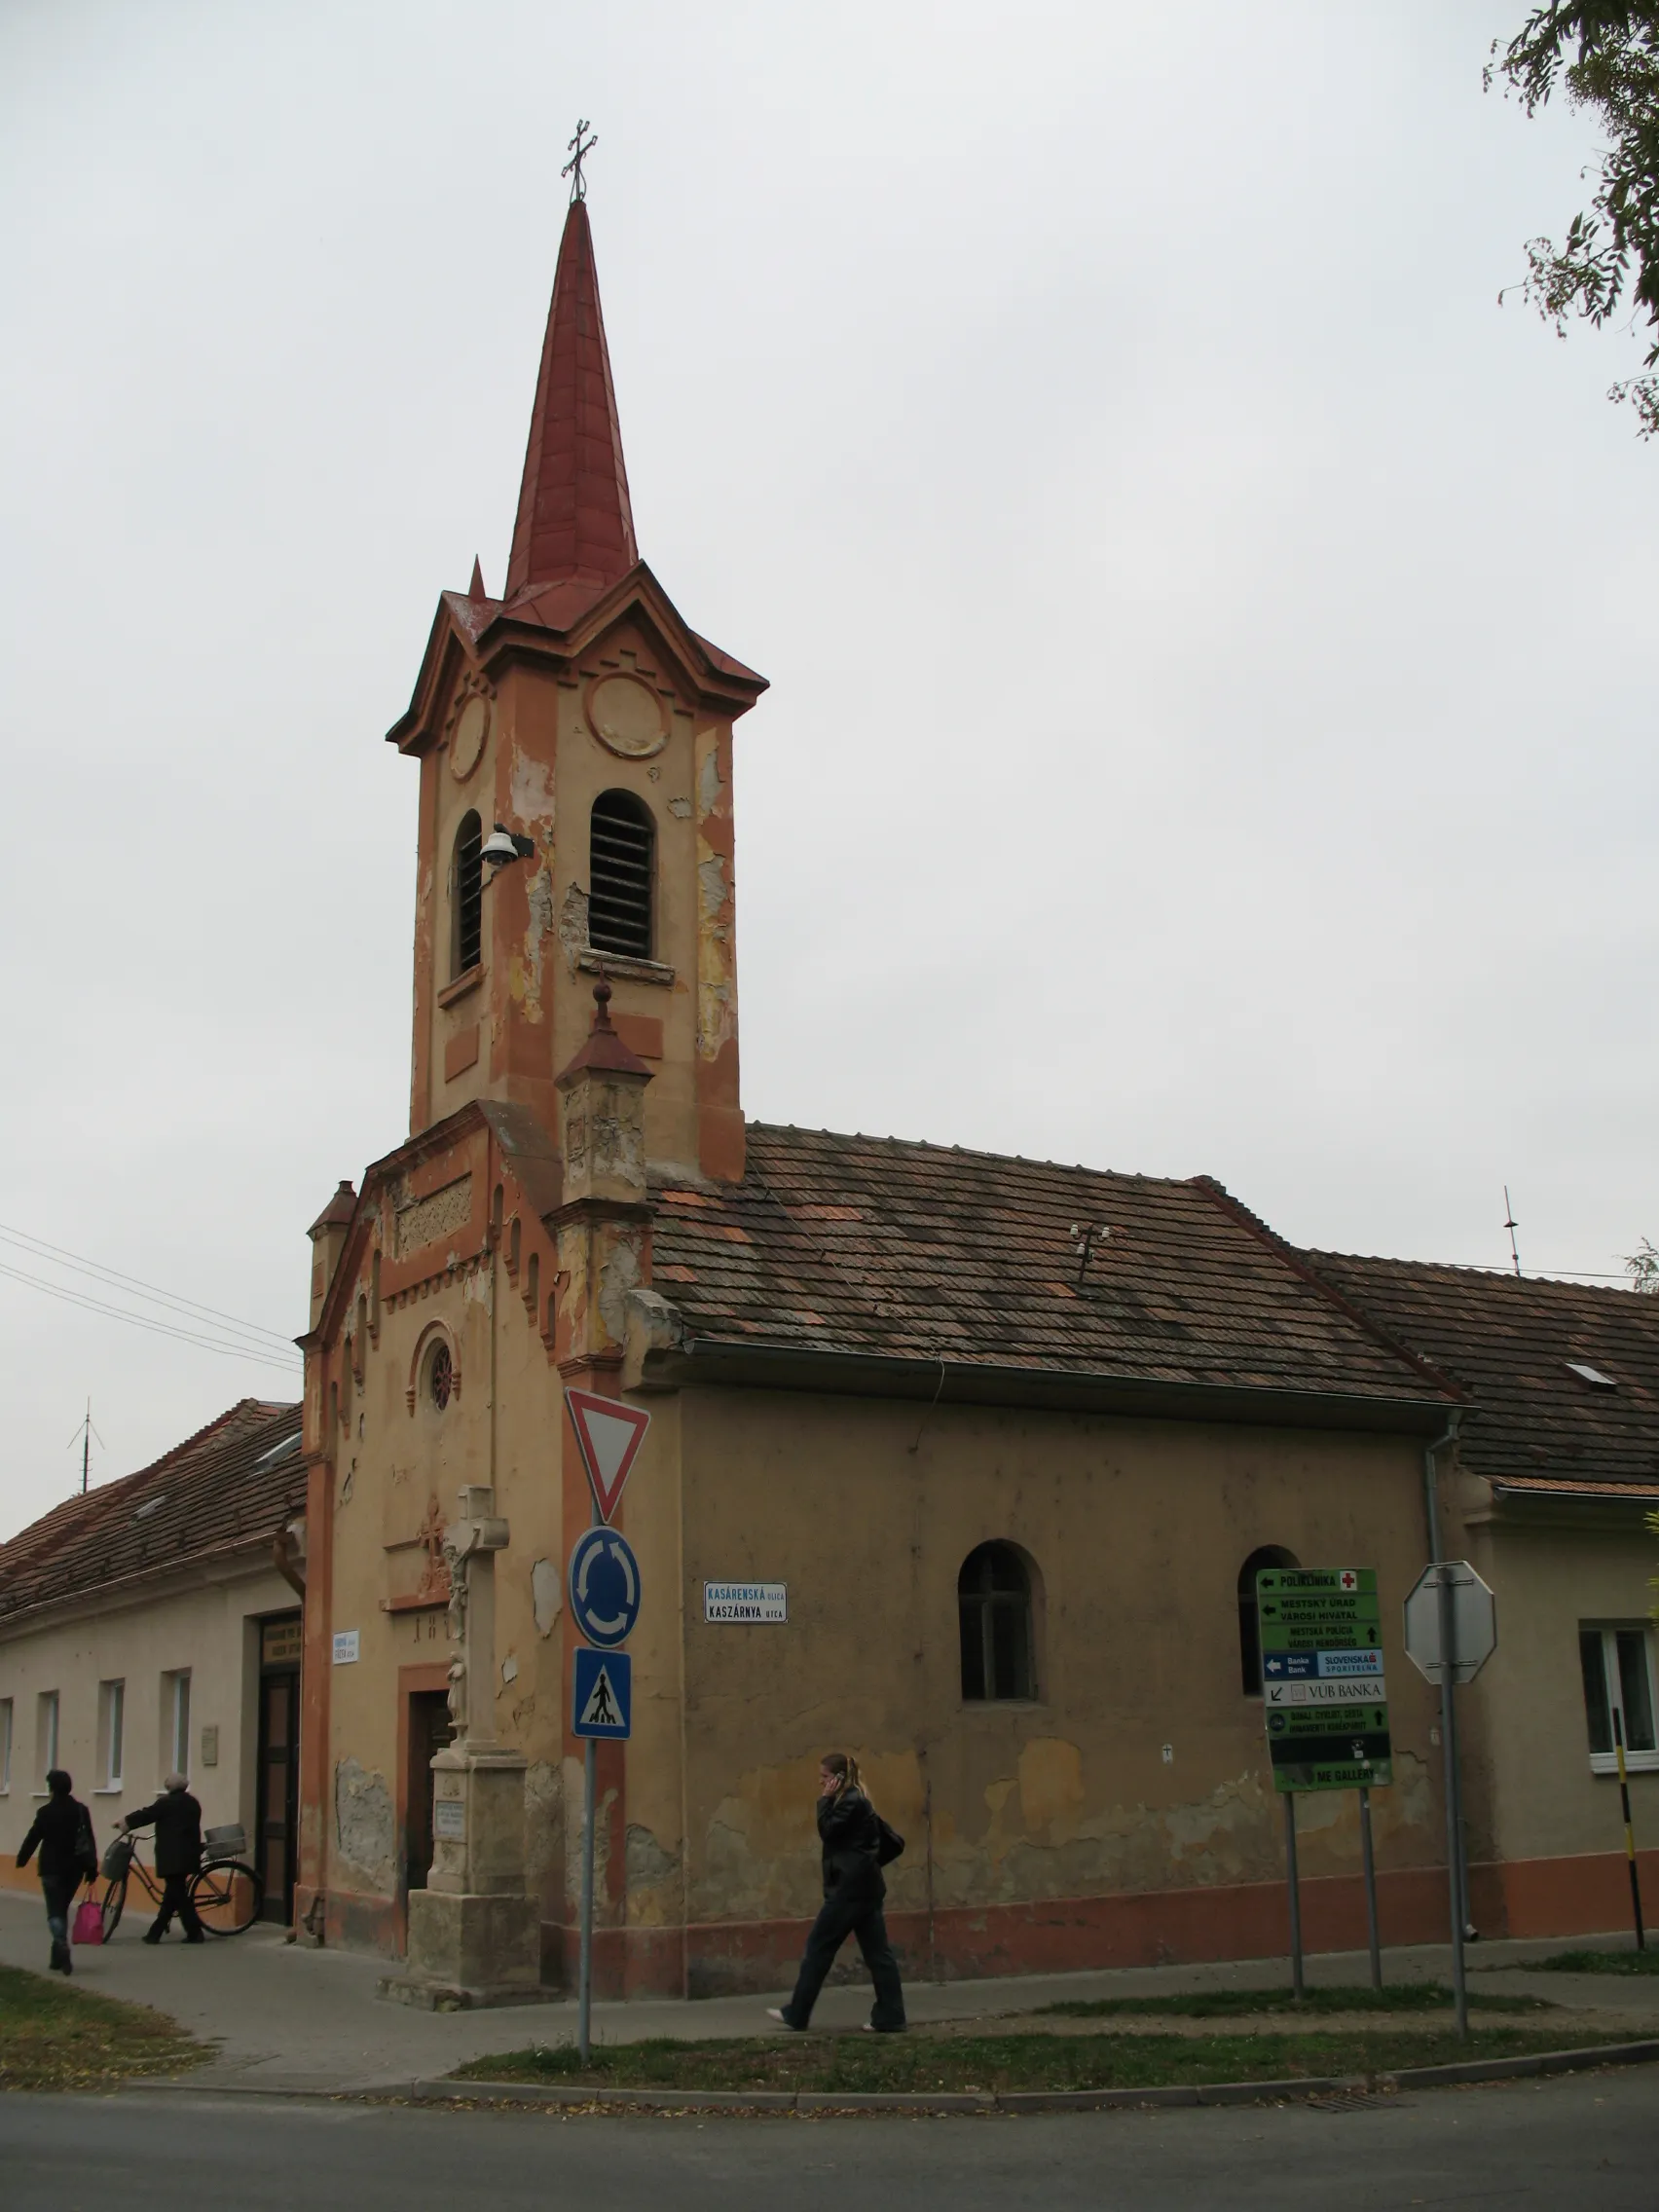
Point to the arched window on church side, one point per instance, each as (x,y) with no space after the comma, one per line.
(621,865)
(466,897)
(1249,1627)
(993,1599)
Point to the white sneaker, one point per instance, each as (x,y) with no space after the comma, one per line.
(777,2013)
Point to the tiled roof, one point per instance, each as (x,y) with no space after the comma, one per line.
(871,1245)
(1507,1340)
(230,1486)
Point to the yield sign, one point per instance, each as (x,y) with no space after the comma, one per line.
(609,1435)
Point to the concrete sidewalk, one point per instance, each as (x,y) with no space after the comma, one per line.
(284,2016)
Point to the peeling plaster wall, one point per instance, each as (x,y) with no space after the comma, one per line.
(1138,1531)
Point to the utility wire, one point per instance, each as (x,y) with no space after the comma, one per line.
(227,1348)
(38,1248)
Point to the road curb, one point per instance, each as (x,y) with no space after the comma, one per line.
(1299,2089)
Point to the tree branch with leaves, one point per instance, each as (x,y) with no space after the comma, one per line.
(1604,58)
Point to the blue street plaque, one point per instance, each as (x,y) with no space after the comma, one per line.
(601,1701)
(604,1587)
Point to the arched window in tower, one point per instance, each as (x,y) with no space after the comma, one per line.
(466,897)
(1249,1627)
(993,1599)
(621,858)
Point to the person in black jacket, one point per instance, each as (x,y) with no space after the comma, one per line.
(63,1835)
(178,1854)
(853,1894)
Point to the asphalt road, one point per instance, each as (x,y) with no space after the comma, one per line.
(1590,2142)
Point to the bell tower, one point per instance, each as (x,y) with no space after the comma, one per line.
(579,726)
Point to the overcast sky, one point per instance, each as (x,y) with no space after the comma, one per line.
(1208,728)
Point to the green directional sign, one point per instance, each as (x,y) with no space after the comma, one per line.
(1318,1608)
(1323,1692)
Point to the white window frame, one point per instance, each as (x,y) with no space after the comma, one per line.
(112,1732)
(176,1683)
(48,1727)
(6,1711)
(1635,1762)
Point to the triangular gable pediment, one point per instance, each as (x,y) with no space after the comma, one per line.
(558,623)
(523,1154)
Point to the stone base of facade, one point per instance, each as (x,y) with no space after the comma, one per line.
(487,1948)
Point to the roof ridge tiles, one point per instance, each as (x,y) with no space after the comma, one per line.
(975,1152)
(1495,1271)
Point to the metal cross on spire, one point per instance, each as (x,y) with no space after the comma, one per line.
(578,152)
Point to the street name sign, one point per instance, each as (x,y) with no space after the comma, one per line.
(604,1587)
(1323,1691)
(1474,1621)
(602,1699)
(609,1436)
(746,1601)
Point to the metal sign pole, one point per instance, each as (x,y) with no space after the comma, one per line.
(1296,1981)
(1370,1860)
(584,1985)
(1454,1789)
(584,1973)
(1630,1831)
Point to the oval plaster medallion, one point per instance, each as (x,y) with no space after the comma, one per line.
(471,728)
(627,716)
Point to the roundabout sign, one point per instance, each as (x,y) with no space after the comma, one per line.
(604,1587)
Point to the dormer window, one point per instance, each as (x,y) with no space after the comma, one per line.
(621,858)
(466,897)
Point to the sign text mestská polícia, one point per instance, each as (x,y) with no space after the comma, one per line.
(746,1601)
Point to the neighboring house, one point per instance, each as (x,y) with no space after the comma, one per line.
(1011,1437)
(155,1623)
(1556,1471)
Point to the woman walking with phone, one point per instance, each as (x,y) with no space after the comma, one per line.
(857,1844)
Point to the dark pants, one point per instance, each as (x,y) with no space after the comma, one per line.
(59,1894)
(841,1917)
(175,1898)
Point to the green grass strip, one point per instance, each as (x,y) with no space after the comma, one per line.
(1230,2003)
(53,2036)
(919,2064)
(1596,1962)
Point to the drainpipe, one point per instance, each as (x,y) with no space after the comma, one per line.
(1457,1864)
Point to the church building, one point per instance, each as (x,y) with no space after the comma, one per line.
(1005,1441)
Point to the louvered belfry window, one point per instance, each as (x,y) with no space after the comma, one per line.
(467,896)
(621,850)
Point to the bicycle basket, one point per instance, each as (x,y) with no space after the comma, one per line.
(230,1842)
(118,1858)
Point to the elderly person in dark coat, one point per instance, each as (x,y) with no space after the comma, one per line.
(177,1818)
(855,1843)
(63,1835)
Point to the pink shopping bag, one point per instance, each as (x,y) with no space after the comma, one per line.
(88,1923)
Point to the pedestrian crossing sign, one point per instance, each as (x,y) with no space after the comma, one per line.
(603,1695)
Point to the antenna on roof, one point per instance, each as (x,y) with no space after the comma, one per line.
(1511,1224)
(1086,1239)
(84,1434)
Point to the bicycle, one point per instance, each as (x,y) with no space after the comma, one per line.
(227,1893)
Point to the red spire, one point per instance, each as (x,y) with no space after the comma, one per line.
(475,589)
(573,520)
